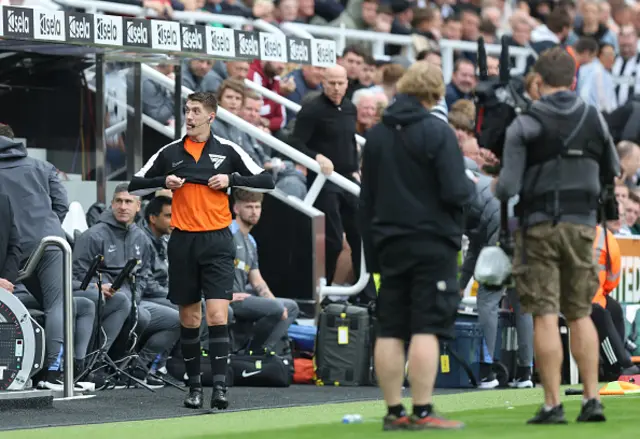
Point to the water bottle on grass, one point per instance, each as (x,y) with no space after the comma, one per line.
(352,419)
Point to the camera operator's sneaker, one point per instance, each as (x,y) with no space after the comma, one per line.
(523,379)
(592,411)
(553,416)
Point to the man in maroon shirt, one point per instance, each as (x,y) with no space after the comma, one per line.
(266,74)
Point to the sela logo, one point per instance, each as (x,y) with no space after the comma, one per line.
(273,47)
(299,51)
(248,45)
(216,160)
(108,30)
(220,42)
(18,21)
(323,53)
(192,38)
(79,26)
(166,35)
(2,369)
(137,32)
(50,25)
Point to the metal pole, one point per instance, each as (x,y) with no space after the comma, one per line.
(134,129)
(101,175)
(68,318)
(32,263)
(177,102)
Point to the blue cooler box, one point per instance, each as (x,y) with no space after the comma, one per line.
(303,337)
(468,345)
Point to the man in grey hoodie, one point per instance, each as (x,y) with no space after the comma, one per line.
(40,204)
(482,227)
(118,239)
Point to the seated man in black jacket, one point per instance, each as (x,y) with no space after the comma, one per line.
(413,192)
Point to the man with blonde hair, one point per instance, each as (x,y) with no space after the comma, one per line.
(411,216)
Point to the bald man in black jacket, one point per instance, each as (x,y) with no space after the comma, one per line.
(9,245)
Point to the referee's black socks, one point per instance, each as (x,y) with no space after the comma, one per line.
(219,354)
(190,341)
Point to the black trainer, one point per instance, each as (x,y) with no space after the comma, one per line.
(523,379)
(488,378)
(592,411)
(194,399)
(553,416)
(219,398)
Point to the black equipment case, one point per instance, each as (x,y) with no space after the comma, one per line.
(344,346)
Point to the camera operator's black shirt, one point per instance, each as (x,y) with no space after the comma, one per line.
(414,184)
(323,127)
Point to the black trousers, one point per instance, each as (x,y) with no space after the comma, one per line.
(341,209)
(609,324)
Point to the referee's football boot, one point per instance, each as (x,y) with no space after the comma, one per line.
(219,398)
(194,399)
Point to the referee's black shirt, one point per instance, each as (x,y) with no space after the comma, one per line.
(323,127)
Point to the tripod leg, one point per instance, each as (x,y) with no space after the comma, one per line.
(120,371)
(164,380)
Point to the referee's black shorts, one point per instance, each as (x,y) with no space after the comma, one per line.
(419,290)
(200,264)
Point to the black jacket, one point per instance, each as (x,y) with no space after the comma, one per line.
(158,284)
(328,129)
(413,188)
(9,241)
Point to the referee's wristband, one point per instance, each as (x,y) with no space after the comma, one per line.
(231,179)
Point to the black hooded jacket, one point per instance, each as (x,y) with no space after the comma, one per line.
(413,180)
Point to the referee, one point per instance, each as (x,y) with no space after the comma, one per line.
(199,168)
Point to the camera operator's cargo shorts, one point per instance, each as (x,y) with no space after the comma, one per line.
(557,273)
(419,290)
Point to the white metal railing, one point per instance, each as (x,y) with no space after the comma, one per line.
(294,155)
(192,17)
(67,299)
(121,126)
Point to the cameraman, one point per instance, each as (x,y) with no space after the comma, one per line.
(557,157)
(411,213)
